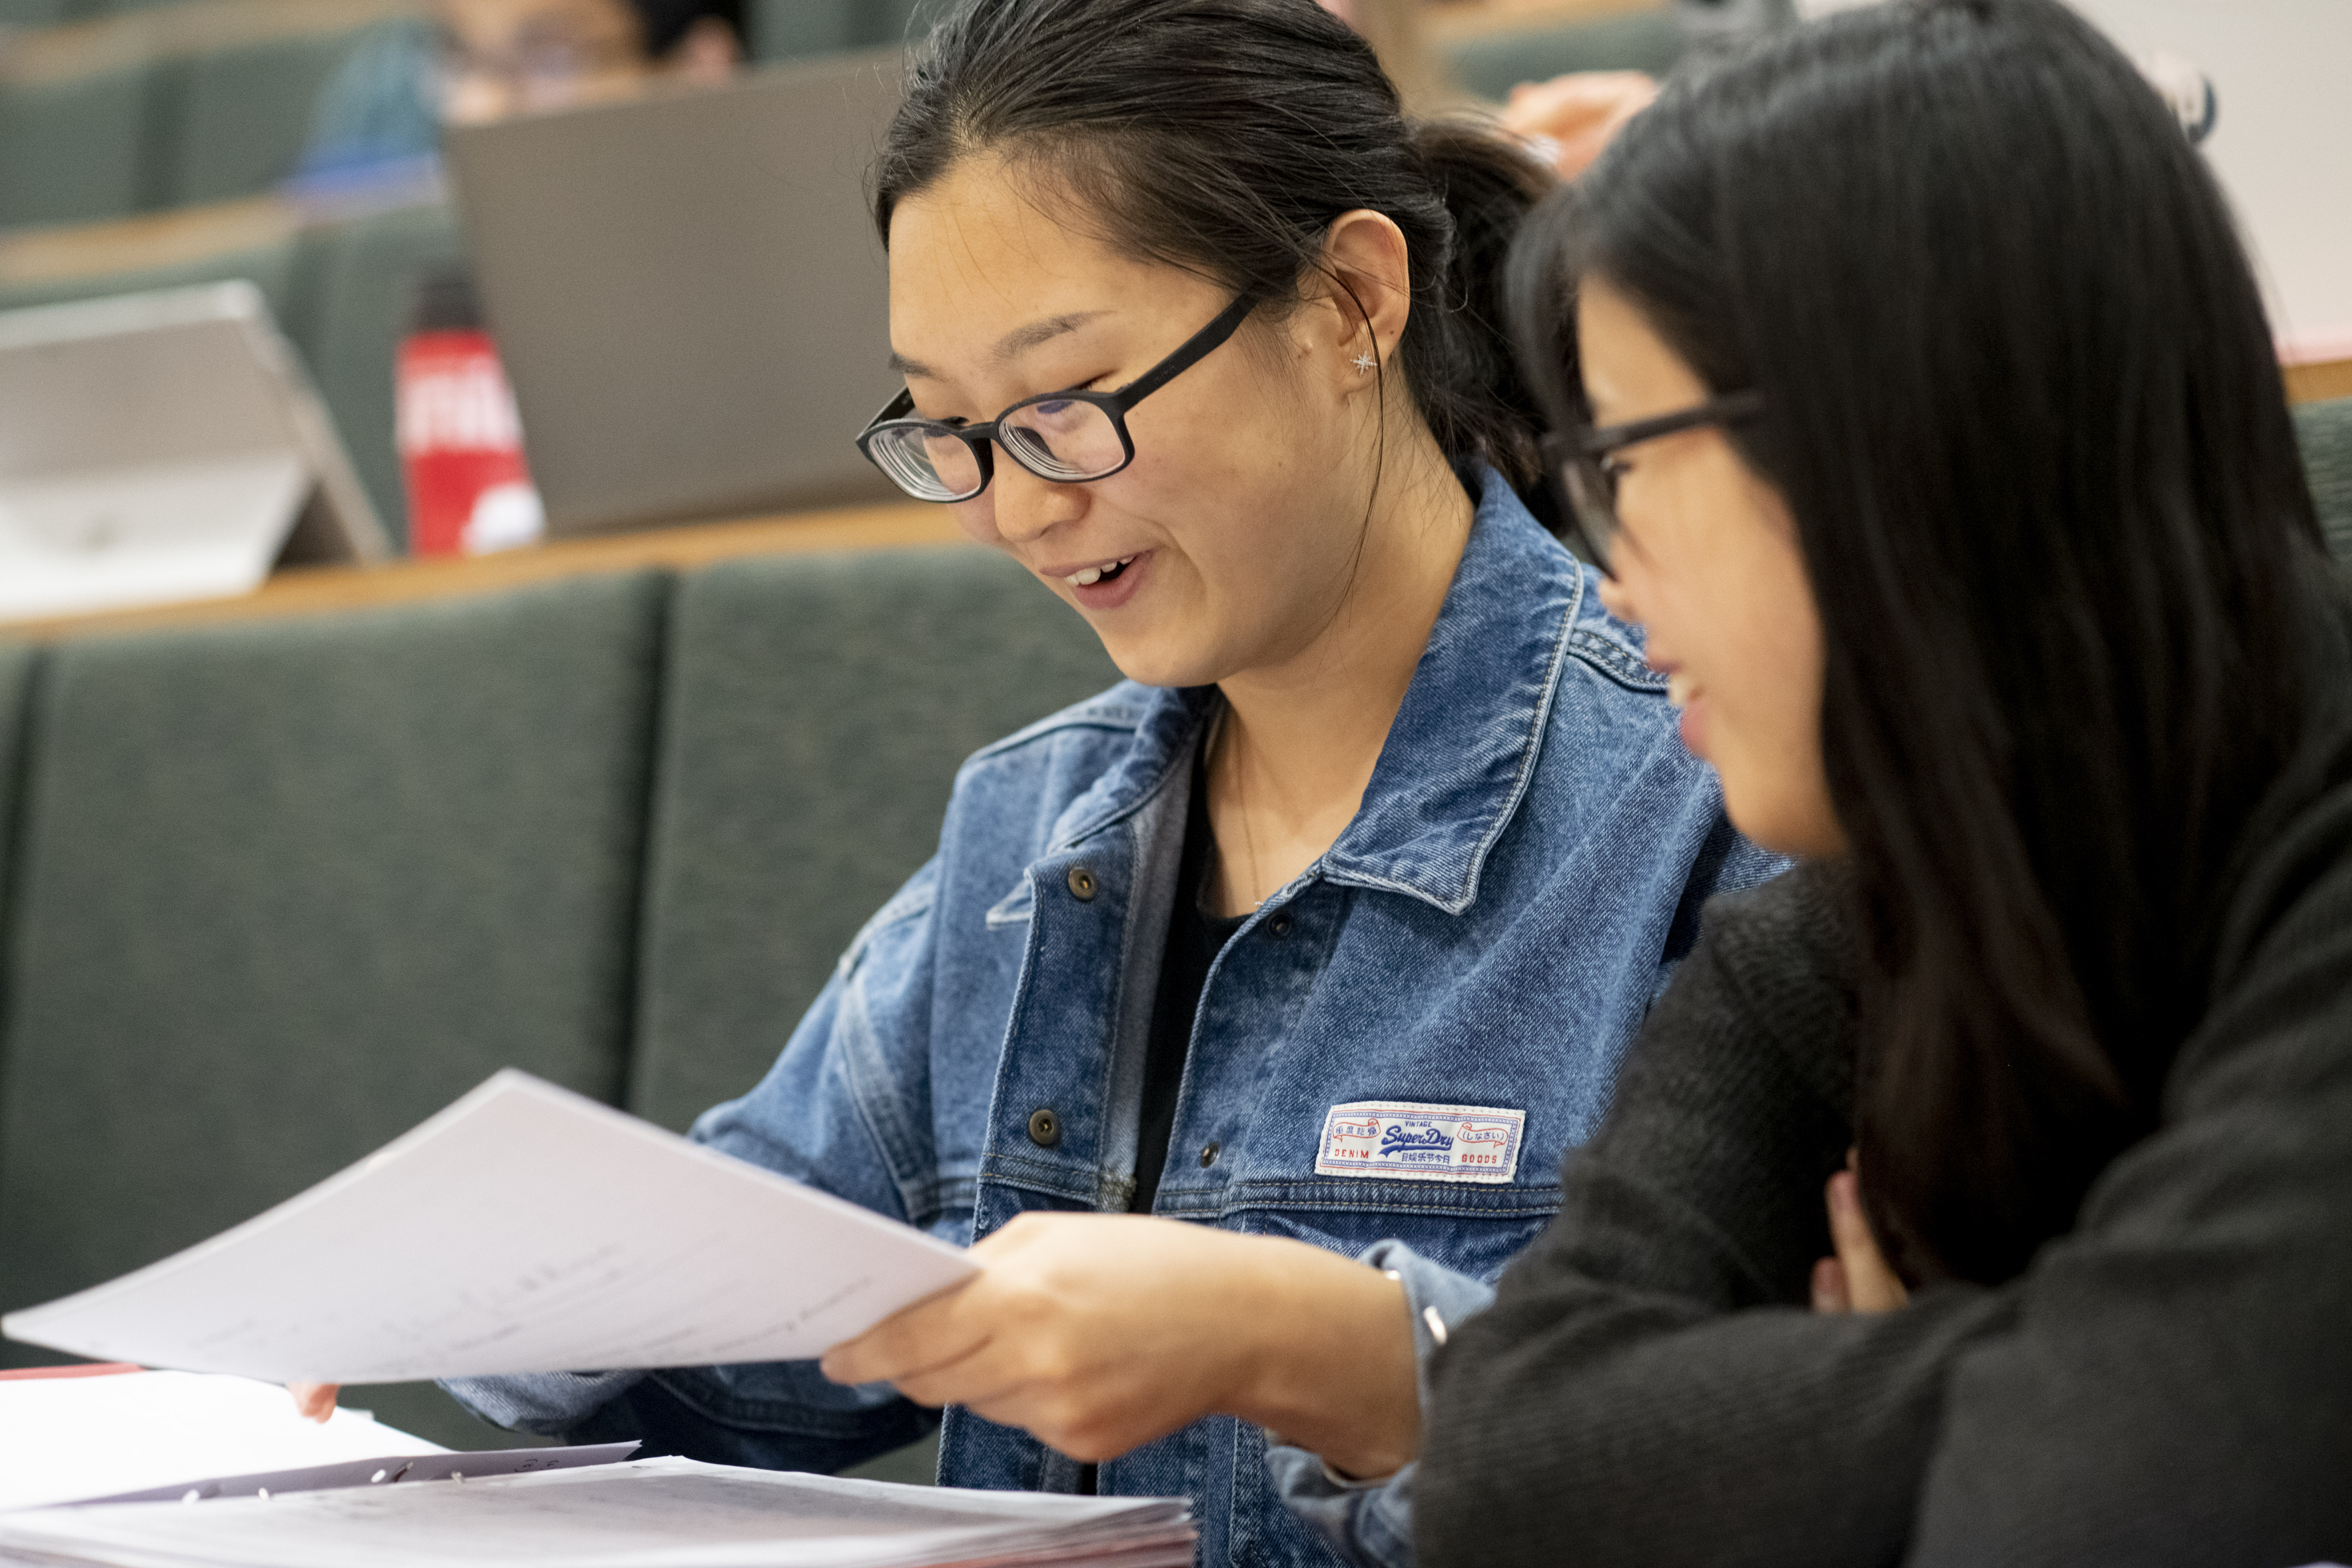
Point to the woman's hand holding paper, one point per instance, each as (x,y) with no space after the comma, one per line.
(1101,1332)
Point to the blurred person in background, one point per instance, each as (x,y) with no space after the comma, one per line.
(1567,118)
(379,120)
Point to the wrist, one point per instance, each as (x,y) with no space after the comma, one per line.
(1328,1360)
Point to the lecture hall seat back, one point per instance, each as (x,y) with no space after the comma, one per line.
(244,111)
(33,13)
(797,29)
(2324,430)
(287,887)
(815,713)
(1489,65)
(357,291)
(17,662)
(74,149)
(140,109)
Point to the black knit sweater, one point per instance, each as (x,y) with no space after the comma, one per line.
(2170,1382)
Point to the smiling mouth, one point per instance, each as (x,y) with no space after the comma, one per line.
(1086,576)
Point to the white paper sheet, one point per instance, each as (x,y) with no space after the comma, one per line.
(652,1513)
(525,1228)
(377,1469)
(68,1437)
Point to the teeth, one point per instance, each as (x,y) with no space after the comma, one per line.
(1679,690)
(1086,576)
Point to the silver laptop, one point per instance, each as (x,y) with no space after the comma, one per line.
(687,294)
(162,445)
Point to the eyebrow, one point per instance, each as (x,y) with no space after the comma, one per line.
(1011,346)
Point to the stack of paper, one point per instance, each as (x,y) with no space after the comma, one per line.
(92,1436)
(653,1513)
(527,1229)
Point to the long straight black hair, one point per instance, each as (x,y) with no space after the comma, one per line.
(1224,137)
(2022,403)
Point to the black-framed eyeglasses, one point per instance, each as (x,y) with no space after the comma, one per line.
(1068,437)
(1586,461)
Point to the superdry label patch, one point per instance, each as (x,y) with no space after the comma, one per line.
(1421,1143)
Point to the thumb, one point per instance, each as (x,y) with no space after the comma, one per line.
(1830,1292)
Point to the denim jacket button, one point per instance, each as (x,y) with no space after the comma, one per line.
(1045,1128)
(1082,884)
(1208,1156)
(1279,926)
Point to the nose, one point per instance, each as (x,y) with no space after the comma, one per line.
(1029,507)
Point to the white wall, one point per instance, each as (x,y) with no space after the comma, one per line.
(2282,72)
(2283,146)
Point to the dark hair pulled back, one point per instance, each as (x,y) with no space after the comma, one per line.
(2022,401)
(1224,137)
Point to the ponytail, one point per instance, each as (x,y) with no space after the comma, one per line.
(1457,357)
(1224,137)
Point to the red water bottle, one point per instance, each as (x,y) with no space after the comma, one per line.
(459,437)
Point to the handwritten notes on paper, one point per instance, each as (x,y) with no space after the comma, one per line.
(525,1228)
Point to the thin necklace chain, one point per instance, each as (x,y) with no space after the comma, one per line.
(1233,760)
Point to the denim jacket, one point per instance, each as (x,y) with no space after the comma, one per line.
(1400,1044)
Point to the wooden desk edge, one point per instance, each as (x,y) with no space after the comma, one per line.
(2318,381)
(316,590)
(1461,24)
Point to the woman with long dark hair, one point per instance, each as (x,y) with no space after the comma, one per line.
(1230,1022)
(1917,391)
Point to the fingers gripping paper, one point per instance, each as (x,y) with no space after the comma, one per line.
(523,1229)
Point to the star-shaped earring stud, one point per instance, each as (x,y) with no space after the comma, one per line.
(1364,361)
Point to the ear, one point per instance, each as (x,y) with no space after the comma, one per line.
(1358,302)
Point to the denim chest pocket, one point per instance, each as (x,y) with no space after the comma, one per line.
(1473,1227)
(1379,1169)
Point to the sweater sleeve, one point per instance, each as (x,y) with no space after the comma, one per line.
(2166,1385)
(1649,1387)
(2177,1387)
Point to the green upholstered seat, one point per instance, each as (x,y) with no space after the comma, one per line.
(287,888)
(793,29)
(33,13)
(73,149)
(816,711)
(16,662)
(2324,433)
(1492,63)
(244,111)
(358,288)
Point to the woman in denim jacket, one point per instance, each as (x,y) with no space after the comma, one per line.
(1315,945)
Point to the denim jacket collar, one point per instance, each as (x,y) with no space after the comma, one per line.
(1465,742)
